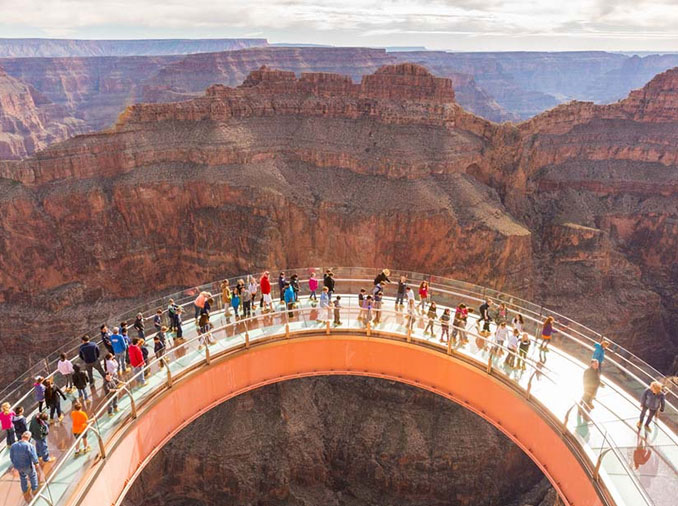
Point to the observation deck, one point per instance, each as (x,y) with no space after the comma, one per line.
(595,458)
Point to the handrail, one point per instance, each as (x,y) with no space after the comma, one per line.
(127,385)
(161,303)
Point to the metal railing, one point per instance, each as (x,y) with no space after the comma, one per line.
(304,322)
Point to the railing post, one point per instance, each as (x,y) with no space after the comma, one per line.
(208,359)
(489,363)
(567,415)
(102,448)
(247,336)
(163,361)
(327,327)
(409,330)
(133,405)
(368,327)
(596,473)
(287,324)
(529,384)
(449,345)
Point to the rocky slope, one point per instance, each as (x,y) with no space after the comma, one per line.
(28,120)
(32,48)
(575,208)
(340,441)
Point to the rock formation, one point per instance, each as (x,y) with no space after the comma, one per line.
(575,208)
(340,441)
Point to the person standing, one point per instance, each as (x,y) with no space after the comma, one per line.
(400,294)
(136,360)
(80,381)
(89,353)
(289,298)
(459,323)
(546,334)
(445,325)
(599,351)
(246,297)
(281,286)
(265,287)
(24,459)
(157,320)
(523,348)
(79,420)
(591,383)
(512,346)
(328,282)
(485,319)
(378,297)
(651,401)
(39,430)
(106,337)
(112,365)
(7,422)
(518,322)
(235,302)
(253,289)
(19,421)
(172,313)
(139,326)
(39,392)
(119,348)
(423,296)
(111,386)
(324,304)
(313,287)
(337,310)
(53,396)
(432,316)
(65,368)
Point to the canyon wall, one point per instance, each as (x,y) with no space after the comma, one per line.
(575,208)
(340,441)
(55,48)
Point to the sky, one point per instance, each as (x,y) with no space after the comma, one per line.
(462,25)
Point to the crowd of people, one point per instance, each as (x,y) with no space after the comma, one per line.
(125,357)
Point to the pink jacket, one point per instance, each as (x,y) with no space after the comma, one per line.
(6,420)
(313,284)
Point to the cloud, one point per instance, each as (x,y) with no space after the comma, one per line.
(339,21)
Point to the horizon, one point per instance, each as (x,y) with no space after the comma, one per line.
(459,26)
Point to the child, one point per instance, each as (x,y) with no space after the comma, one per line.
(235,303)
(6,419)
(513,348)
(368,304)
(162,335)
(361,305)
(80,420)
(53,396)
(111,385)
(112,365)
(400,296)
(313,287)
(159,349)
(377,305)
(423,295)
(157,320)
(65,368)
(324,304)
(337,308)
(19,421)
(445,325)
(39,430)
(253,289)
(522,350)
(432,315)
(80,381)
(500,336)
(39,392)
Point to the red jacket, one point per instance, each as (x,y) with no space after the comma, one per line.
(265,284)
(136,358)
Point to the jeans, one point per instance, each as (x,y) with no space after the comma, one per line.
(82,392)
(313,295)
(235,310)
(11,436)
(136,371)
(180,331)
(95,365)
(120,357)
(197,311)
(55,408)
(246,309)
(653,412)
(42,448)
(28,474)
(400,299)
(113,405)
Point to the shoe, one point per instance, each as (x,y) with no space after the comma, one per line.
(78,452)
(87,449)
(61,416)
(648,428)
(638,425)
(47,460)
(51,421)
(116,409)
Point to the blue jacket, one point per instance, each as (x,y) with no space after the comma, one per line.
(23,455)
(289,295)
(89,352)
(598,353)
(118,343)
